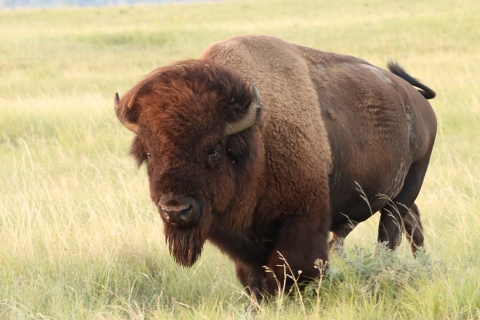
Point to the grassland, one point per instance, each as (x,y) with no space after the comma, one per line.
(81,240)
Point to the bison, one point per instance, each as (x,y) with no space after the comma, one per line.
(263,147)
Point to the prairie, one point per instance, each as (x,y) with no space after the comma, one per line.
(79,236)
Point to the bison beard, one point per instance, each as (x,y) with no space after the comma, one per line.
(185,244)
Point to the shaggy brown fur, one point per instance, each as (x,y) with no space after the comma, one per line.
(329,124)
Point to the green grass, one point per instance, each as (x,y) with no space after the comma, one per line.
(80,238)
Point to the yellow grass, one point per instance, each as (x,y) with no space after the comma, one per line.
(80,238)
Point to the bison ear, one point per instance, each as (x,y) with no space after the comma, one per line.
(250,117)
(123,116)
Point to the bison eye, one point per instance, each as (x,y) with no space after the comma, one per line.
(148,156)
(214,157)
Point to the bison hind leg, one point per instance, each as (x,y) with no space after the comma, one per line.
(339,235)
(413,228)
(391,222)
(392,219)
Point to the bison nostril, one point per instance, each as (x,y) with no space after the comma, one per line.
(186,214)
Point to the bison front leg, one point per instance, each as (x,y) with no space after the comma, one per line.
(251,277)
(301,240)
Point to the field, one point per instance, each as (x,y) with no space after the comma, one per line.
(80,238)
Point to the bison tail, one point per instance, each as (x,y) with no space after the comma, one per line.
(396,69)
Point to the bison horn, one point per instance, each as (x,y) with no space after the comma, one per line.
(130,126)
(250,118)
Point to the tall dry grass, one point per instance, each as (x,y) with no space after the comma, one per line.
(79,236)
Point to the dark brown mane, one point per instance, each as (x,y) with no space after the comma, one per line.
(185,84)
(189,79)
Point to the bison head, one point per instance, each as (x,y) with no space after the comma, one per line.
(193,123)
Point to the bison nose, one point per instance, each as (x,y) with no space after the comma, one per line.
(179,210)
